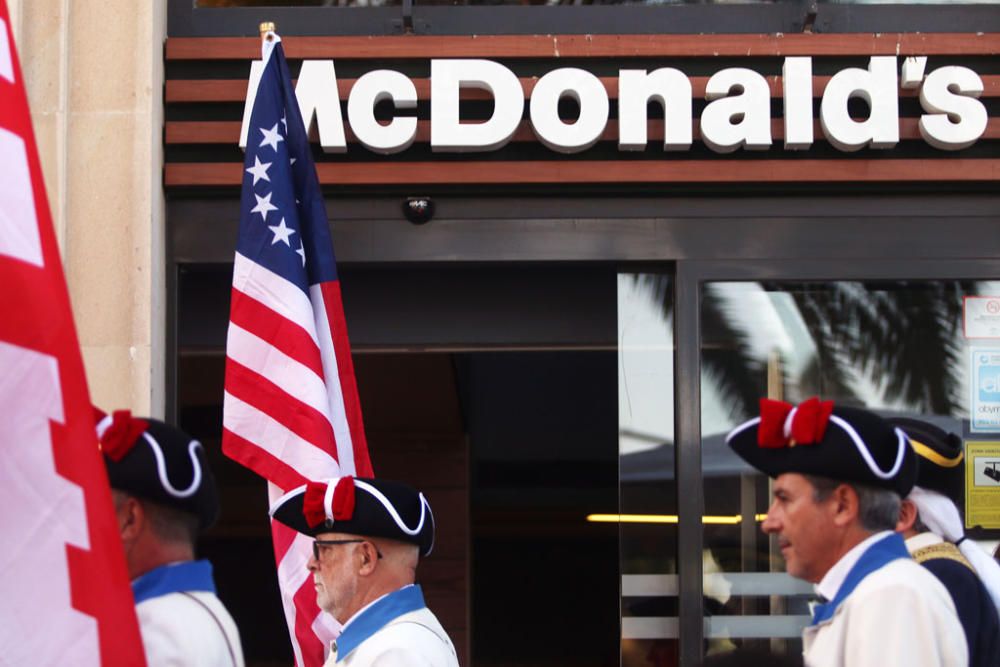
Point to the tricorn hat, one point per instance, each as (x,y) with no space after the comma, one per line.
(818,438)
(150,459)
(359,506)
(939,457)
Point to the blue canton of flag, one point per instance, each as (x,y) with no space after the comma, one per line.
(283,223)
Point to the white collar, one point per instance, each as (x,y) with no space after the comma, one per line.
(834,577)
(922,540)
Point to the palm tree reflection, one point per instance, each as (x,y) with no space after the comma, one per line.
(903,337)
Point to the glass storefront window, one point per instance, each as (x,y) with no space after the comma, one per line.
(898,348)
(648,492)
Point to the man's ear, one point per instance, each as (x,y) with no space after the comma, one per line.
(844,504)
(131,518)
(907,516)
(368,557)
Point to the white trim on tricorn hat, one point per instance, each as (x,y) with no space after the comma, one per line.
(855,438)
(391,509)
(866,452)
(161,464)
(290,509)
(161,467)
(813,438)
(149,471)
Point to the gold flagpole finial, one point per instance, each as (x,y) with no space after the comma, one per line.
(266,27)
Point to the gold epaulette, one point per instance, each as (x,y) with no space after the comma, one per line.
(941,550)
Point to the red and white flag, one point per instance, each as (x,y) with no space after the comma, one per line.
(291,411)
(66,594)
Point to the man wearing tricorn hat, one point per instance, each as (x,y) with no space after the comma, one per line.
(935,536)
(369,535)
(164,495)
(839,474)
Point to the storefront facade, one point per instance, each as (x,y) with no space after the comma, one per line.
(557,351)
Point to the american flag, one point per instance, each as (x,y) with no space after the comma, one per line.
(66,596)
(291,411)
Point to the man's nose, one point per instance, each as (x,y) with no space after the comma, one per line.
(770,524)
(312,564)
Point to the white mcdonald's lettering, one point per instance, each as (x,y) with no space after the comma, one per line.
(369,90)
(448,78)
(576,84)
(877,86)
(737,116)
(956,118)
(739,112)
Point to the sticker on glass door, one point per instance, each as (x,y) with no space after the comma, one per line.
(985,381)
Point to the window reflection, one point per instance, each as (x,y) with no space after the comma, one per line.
(897,348)
(648,494)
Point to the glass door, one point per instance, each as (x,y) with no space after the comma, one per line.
(881,339)
(648,514)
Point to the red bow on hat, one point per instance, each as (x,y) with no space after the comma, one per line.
(314,506)
(807,427)
(121,435)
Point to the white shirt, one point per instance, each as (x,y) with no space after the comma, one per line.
(834,577)
(396,630)
(898,614)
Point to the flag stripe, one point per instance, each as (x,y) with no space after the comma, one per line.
(283,534)
(345,366)
(334,389)
(292,377)
(253,316)
(279,294)
(261,462)
(273,437)
(305,612)
(298,417)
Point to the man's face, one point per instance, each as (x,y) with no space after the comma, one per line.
(805,529)
(335,575)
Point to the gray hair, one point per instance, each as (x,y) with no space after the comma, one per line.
(878,509)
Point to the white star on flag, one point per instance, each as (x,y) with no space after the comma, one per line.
(259,170)
(263,205)
(271,137)
(302,251)
(281,233)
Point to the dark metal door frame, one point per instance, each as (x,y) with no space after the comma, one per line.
(691,276)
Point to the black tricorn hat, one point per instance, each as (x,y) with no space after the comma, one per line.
(150,459)
(359,506)
(818,438)
(939,457)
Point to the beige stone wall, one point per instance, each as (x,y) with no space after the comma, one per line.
(94,74)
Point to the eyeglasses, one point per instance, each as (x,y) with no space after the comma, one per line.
(330,543)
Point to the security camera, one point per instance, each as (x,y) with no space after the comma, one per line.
(418,210)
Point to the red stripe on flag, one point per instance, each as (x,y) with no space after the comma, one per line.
(253,457)
(285,335)
(301,419)
(306,611)
(334,304)
(283,537)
